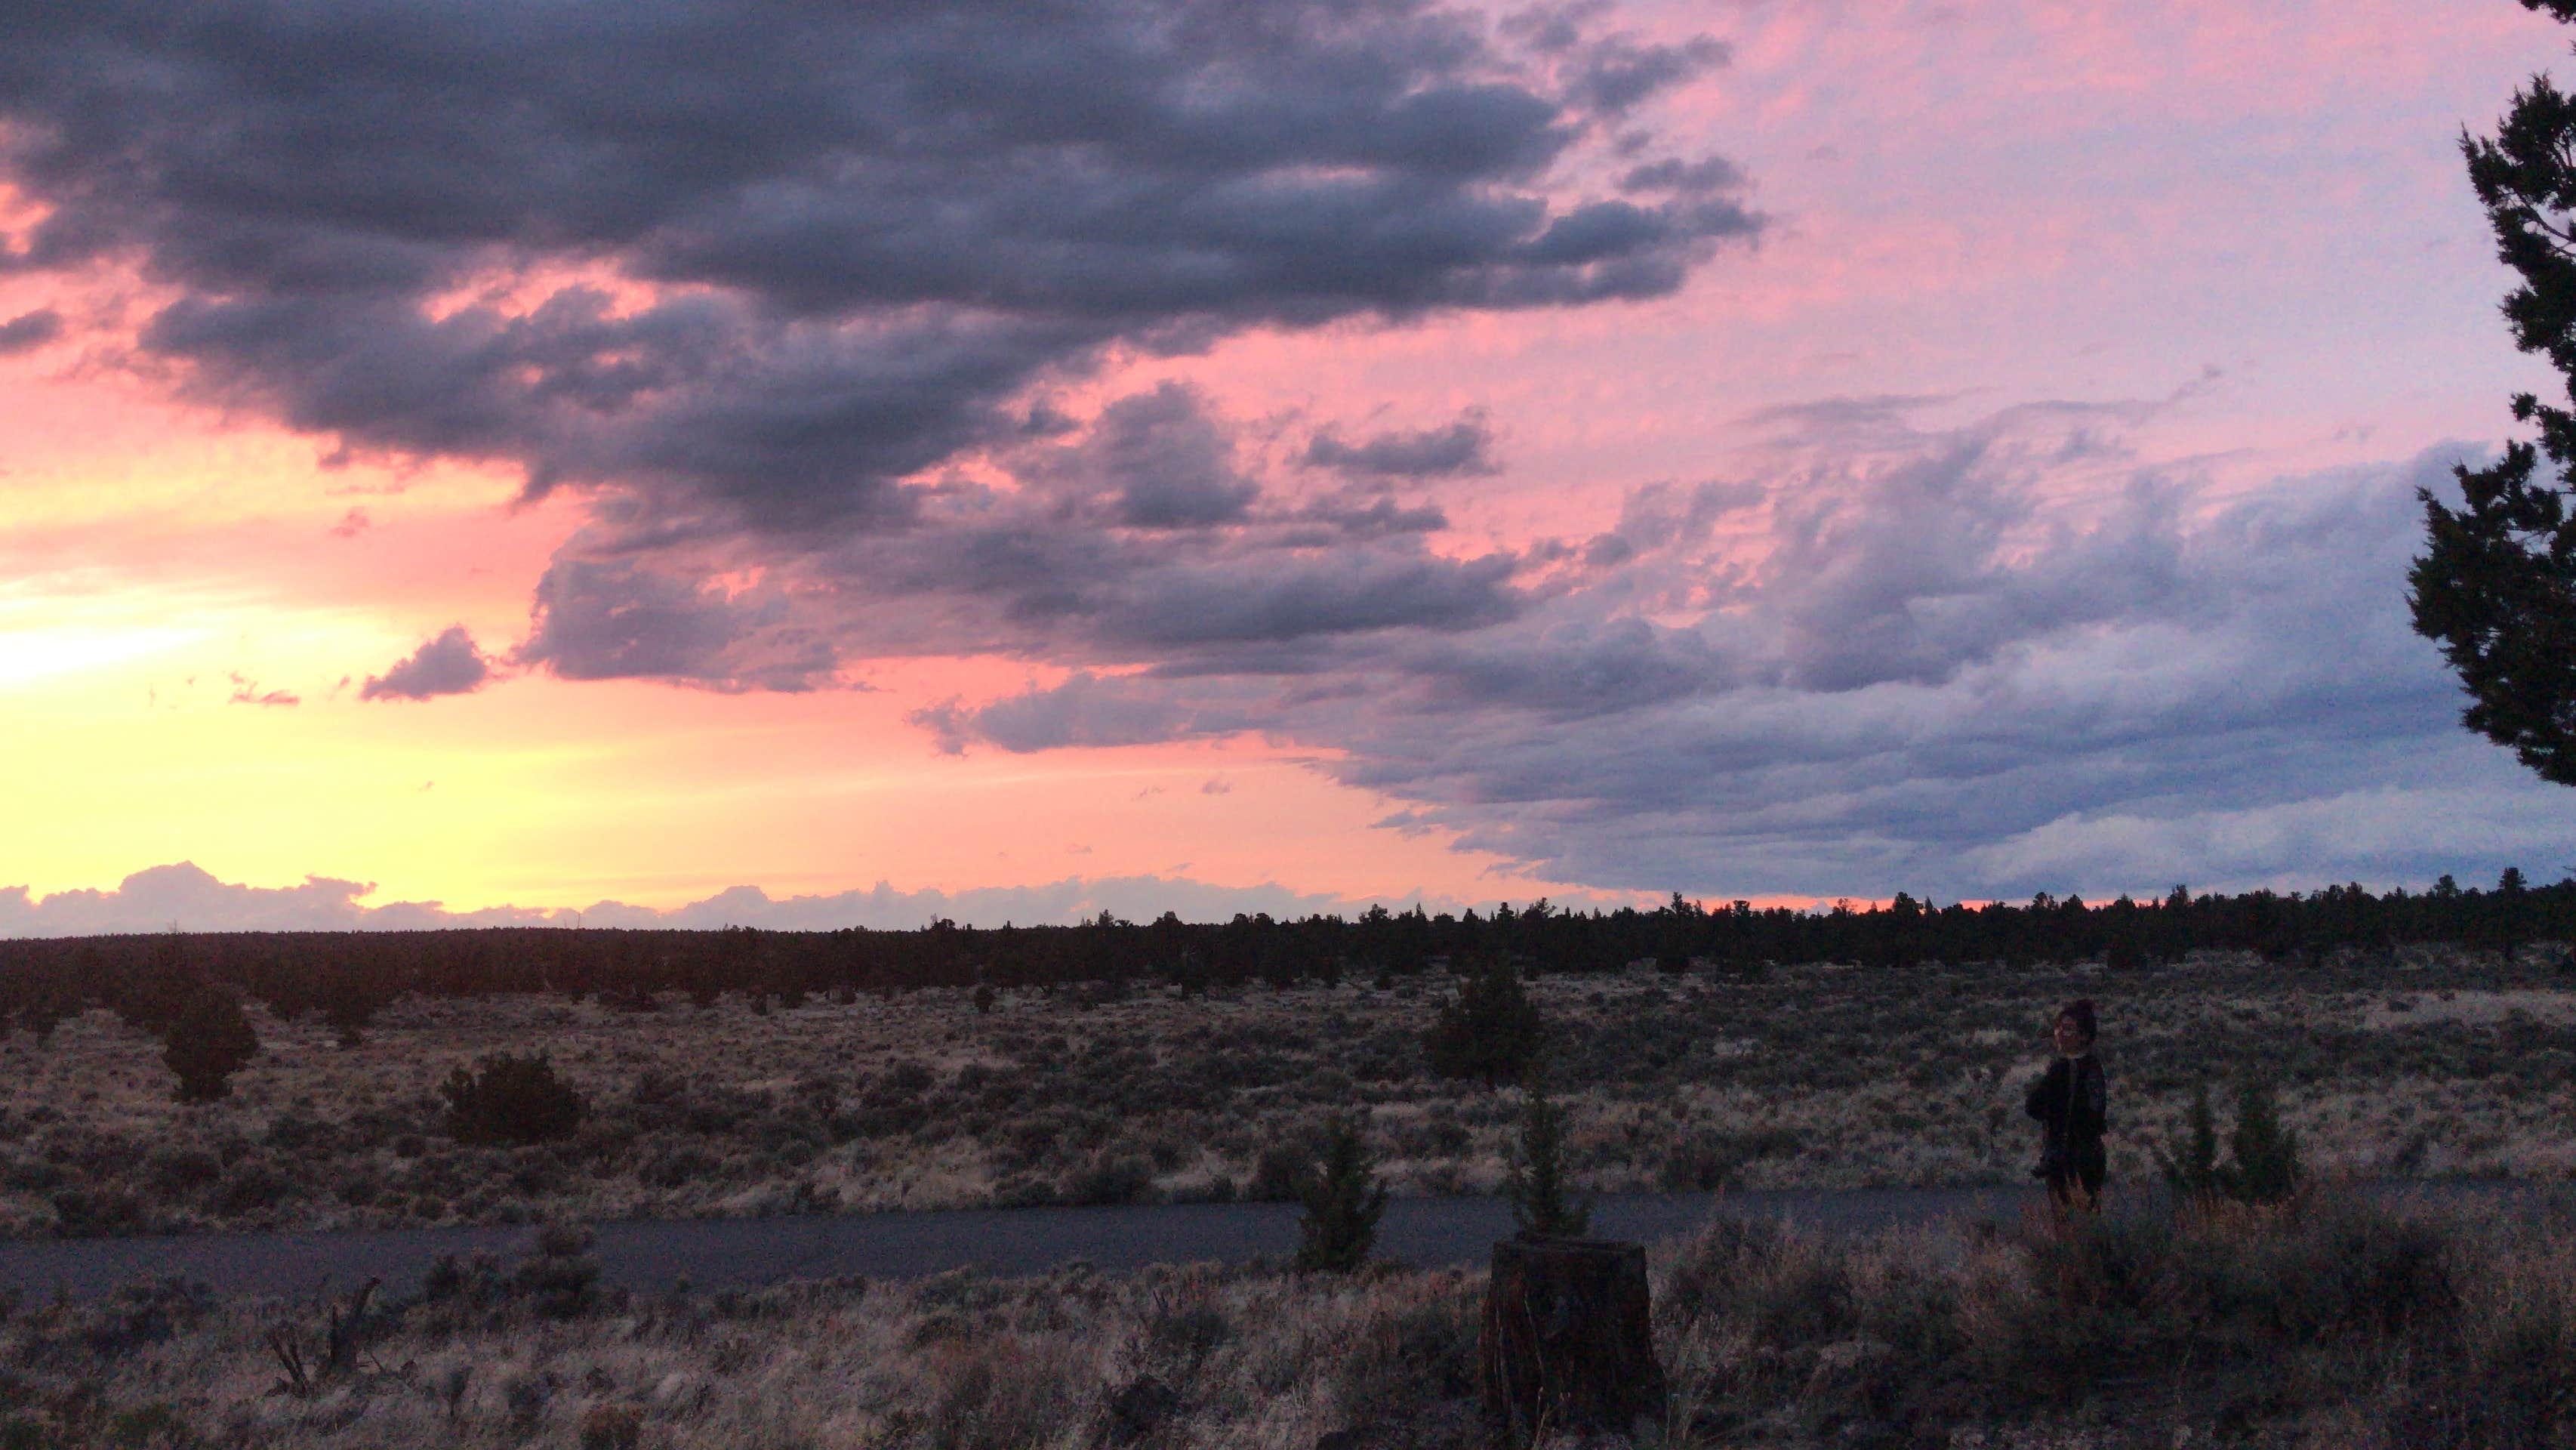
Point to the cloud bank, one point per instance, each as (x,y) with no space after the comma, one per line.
(190,899)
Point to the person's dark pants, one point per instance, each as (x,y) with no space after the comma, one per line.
(2077,1184)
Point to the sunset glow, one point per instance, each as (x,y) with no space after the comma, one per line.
(1982,460)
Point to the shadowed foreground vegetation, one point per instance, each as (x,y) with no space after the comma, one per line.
(2319,1324)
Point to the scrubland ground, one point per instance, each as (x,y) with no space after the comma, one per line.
(2421,1062)
(2323,1325)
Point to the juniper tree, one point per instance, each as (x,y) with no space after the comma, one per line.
(1490,1030)
(2263,1155)
(1343,1203)
(511,1100)
(2195,1173)
(205,1040)
(1536,1184)
(2496,586)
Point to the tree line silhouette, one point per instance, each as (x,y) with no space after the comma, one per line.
(343,977)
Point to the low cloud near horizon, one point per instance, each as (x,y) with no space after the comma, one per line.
(186,897)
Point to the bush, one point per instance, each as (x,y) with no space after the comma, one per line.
(510,1100)
(1278,1175)
(1490,1030)
(205,1040)
(1111,1178)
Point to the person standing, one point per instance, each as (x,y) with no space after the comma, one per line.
(2071,1101)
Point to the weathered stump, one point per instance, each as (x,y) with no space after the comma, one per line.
(1568,1341)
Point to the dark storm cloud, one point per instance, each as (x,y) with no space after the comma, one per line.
(449,664)
(1463,447)
(30,330)
(1617,74)
(1083,711)
(881,223)
(2241,699)
(606,620)
(1152,461)
(1290,599)
(1693,178)
(1985,659)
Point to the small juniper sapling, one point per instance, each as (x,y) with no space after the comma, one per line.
(1343,1203)
(2194,1173)
(2264,1166)
(1536,1185)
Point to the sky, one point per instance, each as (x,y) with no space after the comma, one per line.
(706,461)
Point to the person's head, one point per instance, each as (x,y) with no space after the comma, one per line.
(2074,1032)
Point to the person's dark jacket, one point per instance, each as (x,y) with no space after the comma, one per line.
(2073,1102)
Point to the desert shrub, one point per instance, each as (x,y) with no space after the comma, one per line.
(179,1171)
(1343,1202)
(1186,1331)
(1415,1353)
(1003,1393)
(102,1209)
(2501,1384)
(1278,1173)
(611,1427)
(139,1315)
(1111,1178)
(205,1040)
(251,1185)
(679,1167)
(1490,1030)
(510,1099)
(150,1425)
(560,1280)
(524,1396)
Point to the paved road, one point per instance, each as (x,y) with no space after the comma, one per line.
(724,1253)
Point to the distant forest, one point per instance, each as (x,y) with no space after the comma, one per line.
(346,975)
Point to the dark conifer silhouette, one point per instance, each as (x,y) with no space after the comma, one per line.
(511,1100)
(205,1040)
(2194,1173)
(1490,1030)
(1536,1187)
(2264,1155)
(2496,586)
(1343,1202)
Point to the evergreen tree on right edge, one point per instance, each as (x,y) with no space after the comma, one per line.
(2496,588)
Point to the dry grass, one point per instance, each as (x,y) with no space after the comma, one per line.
(2328,1327)
(2421,1063)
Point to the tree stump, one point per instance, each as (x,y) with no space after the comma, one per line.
(1568,1341)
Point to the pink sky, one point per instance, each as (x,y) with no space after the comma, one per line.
(1939,631)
